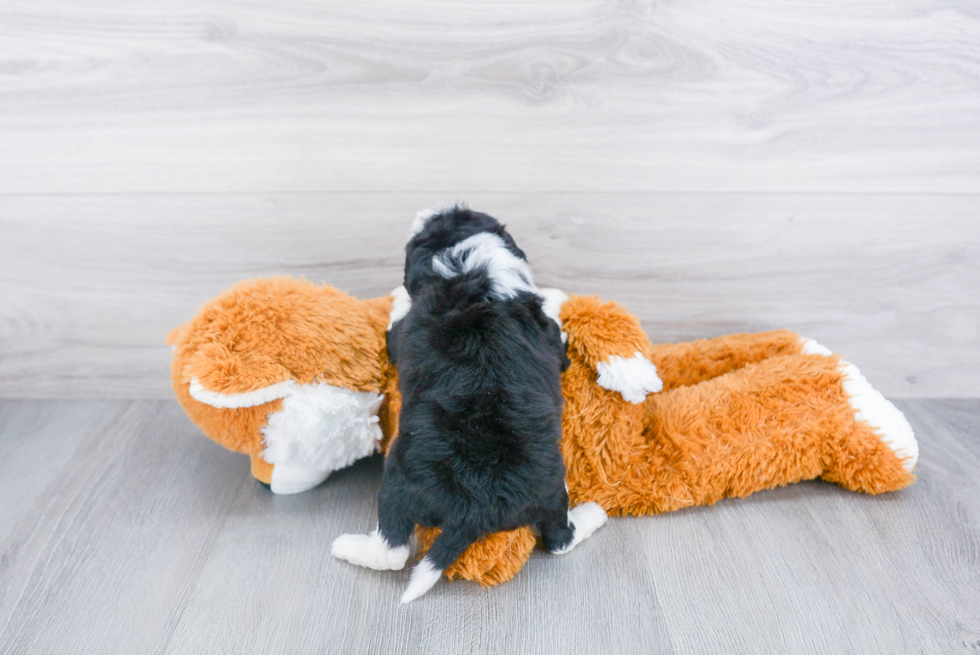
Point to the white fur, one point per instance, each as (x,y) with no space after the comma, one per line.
(552,300)
(873,408)
(320,428)
(237,400)
(324,427)
(370,550)
(508,273)
(811,347)
(295,478)
(870,406)
(424,577)
(634,378)
(401,306)
(584,519)
(424,215)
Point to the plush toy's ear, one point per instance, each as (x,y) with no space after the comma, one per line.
(215,371)
(175,336)
(259,396)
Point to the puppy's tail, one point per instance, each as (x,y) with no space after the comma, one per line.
(448,546)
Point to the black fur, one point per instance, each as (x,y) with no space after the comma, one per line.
(477,447)
(441,232)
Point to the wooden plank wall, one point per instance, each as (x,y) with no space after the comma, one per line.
(717,167)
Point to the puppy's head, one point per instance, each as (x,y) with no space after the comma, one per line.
(446,237)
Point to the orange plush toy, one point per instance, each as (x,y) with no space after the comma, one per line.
(296,376)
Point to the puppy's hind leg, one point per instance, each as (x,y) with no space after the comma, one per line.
(562,531)
(448,546)
(384,549)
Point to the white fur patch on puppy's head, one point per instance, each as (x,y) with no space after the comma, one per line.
(427,214)
(508,273)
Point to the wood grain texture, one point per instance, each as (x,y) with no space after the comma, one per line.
(756,95)
(92,284)
(148,538)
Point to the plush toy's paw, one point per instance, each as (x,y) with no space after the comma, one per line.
(370,550)
(585,519)
(634,378)
(293,479)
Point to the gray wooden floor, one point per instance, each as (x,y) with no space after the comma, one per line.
(123,530)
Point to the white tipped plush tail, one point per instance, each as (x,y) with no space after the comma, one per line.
(424,577)
(873,408)
(585,519)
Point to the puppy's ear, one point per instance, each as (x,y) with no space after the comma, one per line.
(417,267)
(565,361)
(391,342)
(554,338)
(552,333)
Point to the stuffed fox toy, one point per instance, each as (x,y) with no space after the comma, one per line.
(296,376)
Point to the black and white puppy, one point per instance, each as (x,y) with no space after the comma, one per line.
(479,367)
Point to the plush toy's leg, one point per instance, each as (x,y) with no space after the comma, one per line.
(286,479)
(771,423)
(684,364)
(295,478)
(261,469)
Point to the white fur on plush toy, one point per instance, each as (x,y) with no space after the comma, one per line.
(320,428)
(873,408)
(323,426)
(634,378)
(240,400)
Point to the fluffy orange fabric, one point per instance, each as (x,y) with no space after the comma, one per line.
(493,559)
(261,332)
(738,413)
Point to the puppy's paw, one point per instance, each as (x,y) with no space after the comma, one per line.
(634,377)
(584,519)
(370,550)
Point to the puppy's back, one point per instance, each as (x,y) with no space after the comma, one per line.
(476,353)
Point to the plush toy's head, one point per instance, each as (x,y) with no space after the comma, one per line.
(271,366)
